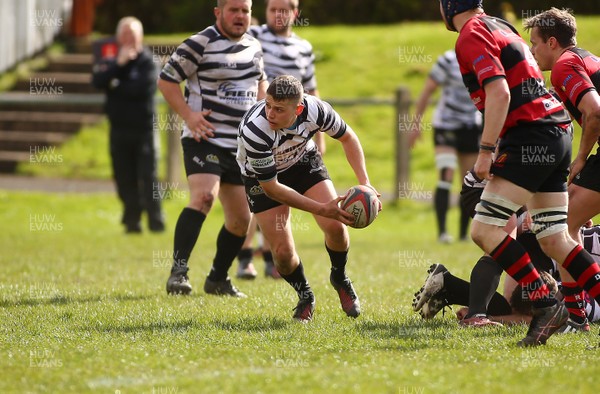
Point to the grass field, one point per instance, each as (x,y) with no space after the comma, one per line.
(83,307)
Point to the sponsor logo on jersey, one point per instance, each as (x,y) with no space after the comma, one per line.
(551,103)
(262,163)
(230,90)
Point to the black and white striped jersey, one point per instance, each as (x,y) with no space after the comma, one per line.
(262,152)
(221,75)
(286,56)
(455,108)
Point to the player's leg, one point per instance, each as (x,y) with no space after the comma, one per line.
(275,226)
(584,204)
(445,163)
(560,245)
(270,269)
(203,191)
(246,268)
(466,161)
(203,181)
(467,146)
(146,167)
(230,239)
(337,243)
(500,199)
(124,166)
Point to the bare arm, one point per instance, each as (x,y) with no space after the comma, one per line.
(262,89)
(355,156)
(590,108)
(319,138)
(288,196)
(497,102)
(196,122)
(415,131)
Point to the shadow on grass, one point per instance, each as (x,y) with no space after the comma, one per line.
(65,300)
(252,324)
(151,328)
(243,324)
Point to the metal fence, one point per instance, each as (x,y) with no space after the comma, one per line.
(29,26)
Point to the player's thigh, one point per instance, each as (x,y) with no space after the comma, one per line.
(204,188)
(276,229)
(507,190)
(584,204)
(325,192)
(235,208)
(466,161)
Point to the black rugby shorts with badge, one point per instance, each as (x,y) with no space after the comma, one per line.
(301,176)
(206,158)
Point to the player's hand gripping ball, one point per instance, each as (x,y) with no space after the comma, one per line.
(362,202)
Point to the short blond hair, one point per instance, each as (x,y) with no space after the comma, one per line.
(294,4)
(133,22)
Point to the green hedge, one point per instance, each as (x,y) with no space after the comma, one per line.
(193,15)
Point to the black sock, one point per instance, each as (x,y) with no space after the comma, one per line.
(267,257)
(298,281)
(245,254)
(441,203)
(338,263)
(228,246)
(458,292)
(464,222)
(484,281)
(187,231)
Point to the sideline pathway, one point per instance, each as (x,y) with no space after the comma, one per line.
(55,185)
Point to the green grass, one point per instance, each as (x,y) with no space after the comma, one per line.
(383,58)
(83,309)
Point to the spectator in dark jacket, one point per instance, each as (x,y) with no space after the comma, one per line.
(128,77)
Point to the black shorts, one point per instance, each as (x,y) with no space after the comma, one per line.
(206,158)
(589,177)
(303,175)
(536,158)
(464,140)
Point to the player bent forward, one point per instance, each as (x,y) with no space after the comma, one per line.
(282,168)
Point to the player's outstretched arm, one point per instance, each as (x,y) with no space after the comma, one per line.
(590,108)
(355,156)
(288,196)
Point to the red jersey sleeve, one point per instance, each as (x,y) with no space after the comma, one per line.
(570,79)
(479,54)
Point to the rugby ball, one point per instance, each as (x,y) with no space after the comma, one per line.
(362,202)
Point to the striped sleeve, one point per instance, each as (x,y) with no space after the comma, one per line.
(325,117)
(256,142)
(185,60)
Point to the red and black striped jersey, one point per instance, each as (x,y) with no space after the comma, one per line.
(575,73)
(489,48)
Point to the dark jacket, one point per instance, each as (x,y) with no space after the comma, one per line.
(129,93)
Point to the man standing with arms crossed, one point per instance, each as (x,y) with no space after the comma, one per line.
(533,156)
(224,74)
